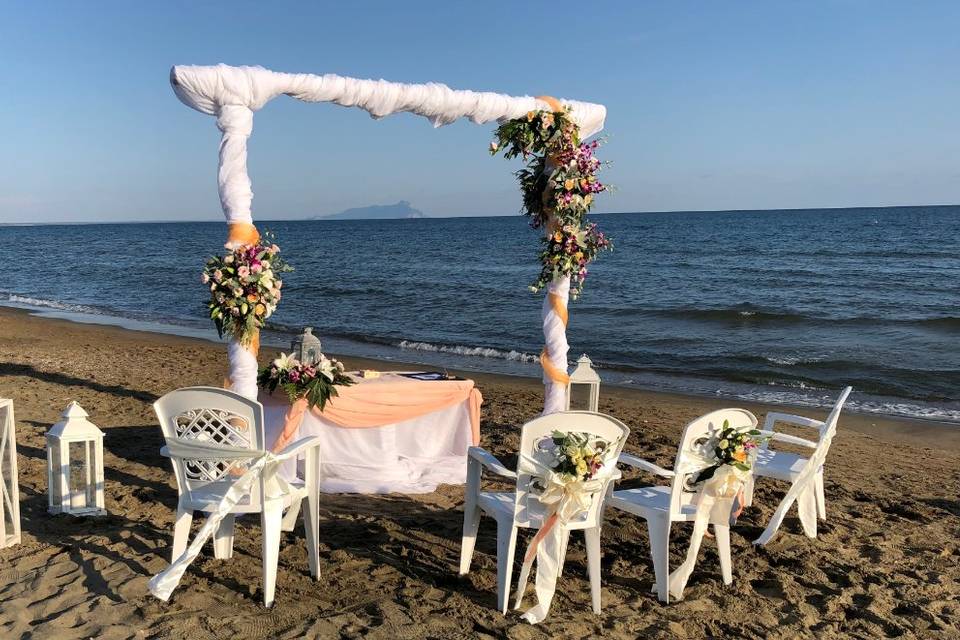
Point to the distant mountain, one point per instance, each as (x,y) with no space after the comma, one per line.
(376,212)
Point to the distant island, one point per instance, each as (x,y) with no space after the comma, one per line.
(399,210)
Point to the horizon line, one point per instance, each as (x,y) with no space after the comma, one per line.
(471,216)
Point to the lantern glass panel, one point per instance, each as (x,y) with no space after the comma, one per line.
(53,460)
(579,397)
(79,475)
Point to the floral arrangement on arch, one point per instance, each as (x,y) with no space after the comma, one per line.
(317,382)
(244,288)
(558,183)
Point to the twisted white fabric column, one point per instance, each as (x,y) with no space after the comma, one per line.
(233,183)
(243,370)
(554,357)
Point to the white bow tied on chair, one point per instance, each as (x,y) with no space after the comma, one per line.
(260,463)
(718,500)
(564,500)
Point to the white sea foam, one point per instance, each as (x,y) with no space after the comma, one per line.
(480,352)
(49,304)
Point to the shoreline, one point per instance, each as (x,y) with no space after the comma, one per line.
(892,429)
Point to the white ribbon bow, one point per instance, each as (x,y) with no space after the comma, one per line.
(261,462)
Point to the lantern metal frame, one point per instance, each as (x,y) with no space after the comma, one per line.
(75,429)
(585,374)
(306,347)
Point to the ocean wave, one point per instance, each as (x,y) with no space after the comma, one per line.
(481,352)
(49,304)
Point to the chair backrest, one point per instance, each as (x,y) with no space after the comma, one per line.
(535,443)
(212,416)
(696,436)
(828,430)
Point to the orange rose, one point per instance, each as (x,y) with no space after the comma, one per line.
(260,309)
(740,456)
(252,297)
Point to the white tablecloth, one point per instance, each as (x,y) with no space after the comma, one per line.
(413,456)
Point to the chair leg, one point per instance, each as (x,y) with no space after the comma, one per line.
(659,532)
(181,531)
(311,512)
(563,552)
(223,539)
(592,537)
(506,545)
(290,517)
(722,532)
(821,498)
(807,510)
(471,524)
(270,520)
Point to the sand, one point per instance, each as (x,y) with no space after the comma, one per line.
(885,563)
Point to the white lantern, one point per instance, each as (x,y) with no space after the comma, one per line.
(9,489)
(585,376)
(75,465)
(306,347)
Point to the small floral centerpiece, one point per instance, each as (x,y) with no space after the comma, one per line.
(732,447)
(244,288)
(316,382)
(559,183)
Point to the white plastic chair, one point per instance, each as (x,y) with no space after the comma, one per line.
(218,416)
(520,508)
(661,506)
(804,474)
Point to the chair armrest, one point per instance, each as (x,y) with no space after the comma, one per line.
(645,465)
(300,446)
(786,437)
(799,421)
(165,451)
(488,461)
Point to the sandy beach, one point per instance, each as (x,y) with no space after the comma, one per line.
(885,564)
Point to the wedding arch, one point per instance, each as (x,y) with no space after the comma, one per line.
(233,94)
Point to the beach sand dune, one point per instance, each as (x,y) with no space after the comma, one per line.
(885,564)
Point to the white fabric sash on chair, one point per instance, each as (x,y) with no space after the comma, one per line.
(262,464)
(715,505)
(564,502)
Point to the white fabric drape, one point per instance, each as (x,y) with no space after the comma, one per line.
(243,370)
(555,340)
(208,88)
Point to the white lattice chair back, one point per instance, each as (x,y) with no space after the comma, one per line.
(214,416)
(695,437)
(537,433)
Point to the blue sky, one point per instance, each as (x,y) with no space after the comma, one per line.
(711,105)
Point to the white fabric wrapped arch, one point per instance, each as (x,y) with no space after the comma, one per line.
(233,94)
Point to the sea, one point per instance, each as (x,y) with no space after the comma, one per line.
(783,306)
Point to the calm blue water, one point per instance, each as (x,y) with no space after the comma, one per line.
(775,305)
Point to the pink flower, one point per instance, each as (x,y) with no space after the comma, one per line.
(243,271)
(204,278)
(256,268)
(218,275)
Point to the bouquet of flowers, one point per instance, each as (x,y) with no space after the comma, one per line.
(559,183)
(568,251)
(578,455)
(244,288)
(731,446)
(317,382)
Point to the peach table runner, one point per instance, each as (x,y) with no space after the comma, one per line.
(389,399)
